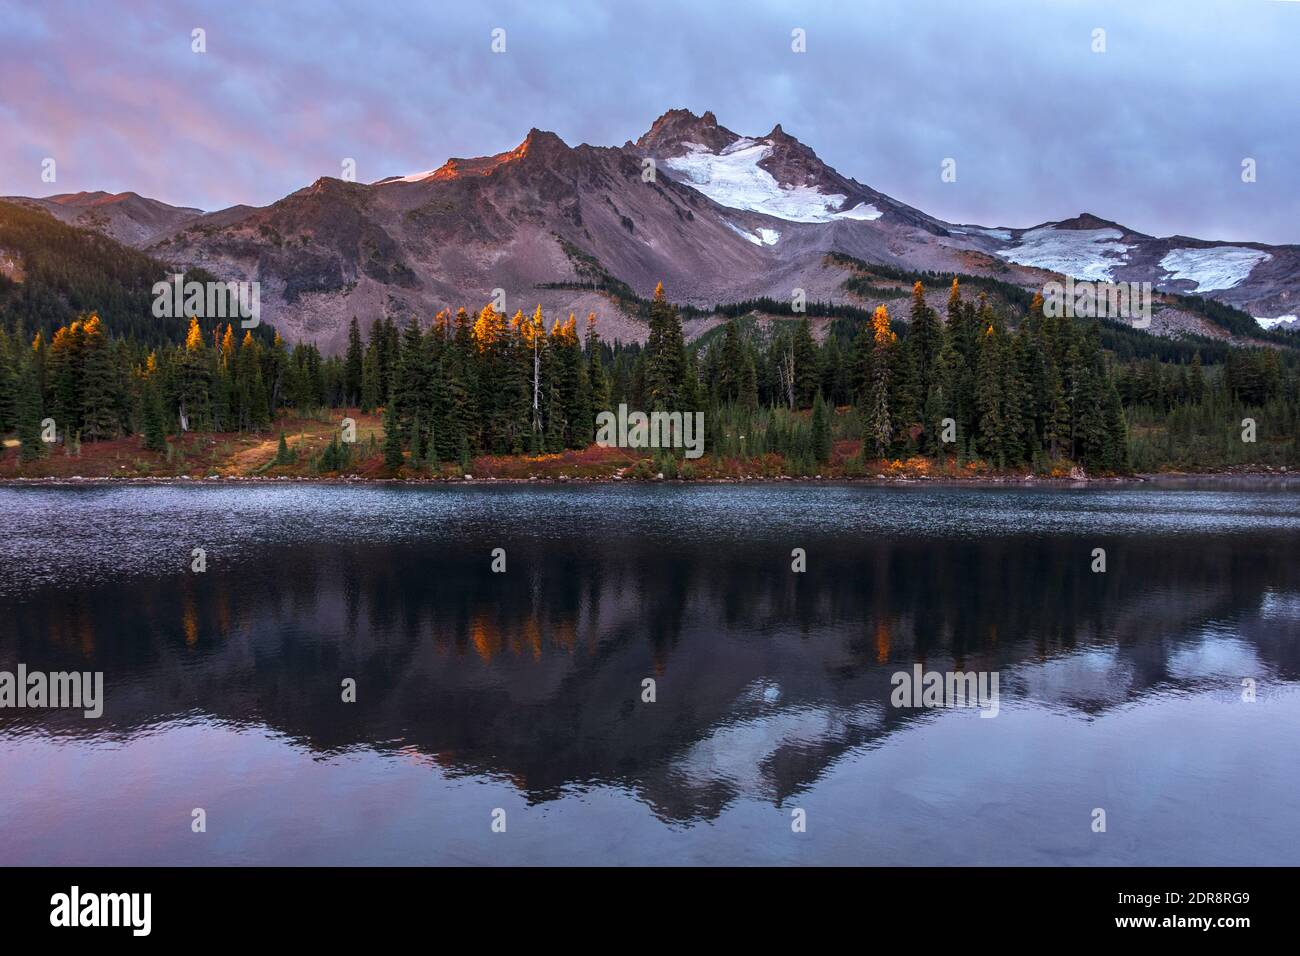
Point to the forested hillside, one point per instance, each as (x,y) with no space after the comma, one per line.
(973,390)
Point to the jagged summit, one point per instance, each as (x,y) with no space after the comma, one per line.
(538,145)
(670,133)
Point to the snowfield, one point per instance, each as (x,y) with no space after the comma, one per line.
(413,178)
(1218,267)
(759,237)
(863,211)
(1287,320)
(734,179)
(1082,253)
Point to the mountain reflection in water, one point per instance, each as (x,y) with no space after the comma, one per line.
(772,688)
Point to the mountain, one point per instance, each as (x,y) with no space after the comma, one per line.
(130,218)
(50,272)
(717,216)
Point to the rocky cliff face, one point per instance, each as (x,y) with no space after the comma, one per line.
(717,216)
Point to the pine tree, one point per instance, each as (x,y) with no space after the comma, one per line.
(807,372)
(99,418)
(731,363)
(411,381)
(1114,451)
(8,380)
(195,379)
(353,365)
(935,412)
(66,364)
(821,431)
(393,459)
(155,417)
(282,454)
(926,333)
(905,394)
(880,430)
(749,382)
(370,378)
(832,366)
(417,443)
(665,355)
(599,383)
(28,408)
(989,398)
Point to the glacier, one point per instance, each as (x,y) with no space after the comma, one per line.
(1218,267)
(733,178)
(1082,253)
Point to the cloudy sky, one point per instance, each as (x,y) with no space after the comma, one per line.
(1151,133)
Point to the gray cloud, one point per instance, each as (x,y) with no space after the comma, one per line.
(1150,133)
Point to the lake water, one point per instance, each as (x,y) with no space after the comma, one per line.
(772,738)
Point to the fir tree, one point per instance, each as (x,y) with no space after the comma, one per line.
(821,431)
(880,431)
(393,458)
(28,408)
(283,456)
(807,373)
(155,417)
(99,418)
(926,333)
(353,365)
(665,355)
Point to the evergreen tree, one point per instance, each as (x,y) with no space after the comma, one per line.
(807,373)
(283,456)
(99,418)
(195,380)
(880,431)
(353,365)
(821,431)
(393,458)
(155,416)
(665,355)
(28,409)
(926,332)
(600,400)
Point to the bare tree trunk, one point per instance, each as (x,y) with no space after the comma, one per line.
(537,384)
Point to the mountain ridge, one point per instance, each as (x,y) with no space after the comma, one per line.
(716,215)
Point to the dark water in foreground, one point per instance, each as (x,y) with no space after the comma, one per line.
(522,691)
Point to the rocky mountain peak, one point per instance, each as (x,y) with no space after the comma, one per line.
(671,131)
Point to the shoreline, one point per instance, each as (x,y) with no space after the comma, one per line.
(1249,476)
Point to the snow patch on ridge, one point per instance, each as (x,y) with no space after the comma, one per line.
(1279,320)
(863,211)
(759,237)
(734,179)
(413,178)
(1218,267)
(1082,253)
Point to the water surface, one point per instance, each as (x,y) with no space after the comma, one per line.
(522,691)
